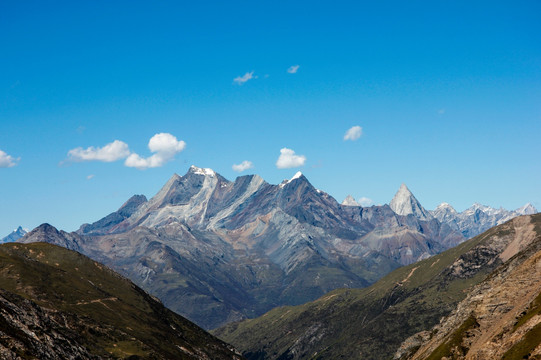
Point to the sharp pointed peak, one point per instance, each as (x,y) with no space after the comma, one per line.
(404,188)
(350,201)
(405,203)
(298,175)
(527,209)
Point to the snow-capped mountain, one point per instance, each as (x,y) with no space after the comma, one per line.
(14,235)
(404,203)
(217,250)
(477,218)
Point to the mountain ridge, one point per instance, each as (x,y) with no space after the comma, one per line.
(218,251)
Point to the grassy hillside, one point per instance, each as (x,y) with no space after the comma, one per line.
(371,323)
(96,308)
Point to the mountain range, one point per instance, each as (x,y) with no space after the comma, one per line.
(478,300)
(218,251)
(471,222)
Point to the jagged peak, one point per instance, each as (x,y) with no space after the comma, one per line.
(447,206)
(527,209)
(350,201)
(404,188)
(405,203)
(298,175)
(201,171)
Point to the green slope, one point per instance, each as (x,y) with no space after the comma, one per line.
(94,307)
(371,323)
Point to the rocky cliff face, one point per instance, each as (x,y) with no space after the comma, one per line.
(218,251)
(29,329)
(501,317)
(404,203)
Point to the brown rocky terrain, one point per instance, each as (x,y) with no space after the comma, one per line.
(501,316)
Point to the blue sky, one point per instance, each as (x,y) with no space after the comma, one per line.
(447,93)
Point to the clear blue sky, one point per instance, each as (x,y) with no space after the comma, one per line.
(448,95)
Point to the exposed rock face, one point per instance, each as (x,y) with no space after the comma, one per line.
(58,304)
(104,225)
(371,323)
(404,203)
(350,201)
(27,328)
(501,316)
(14,236)
(217,251)
(477,218)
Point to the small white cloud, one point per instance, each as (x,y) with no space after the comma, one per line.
(90,177)
(164,145)
(111,152)
(288,159)
(244,78)
(353,133)
(293,69)
(245,165)
(7,160)
(441,111)
(364,201)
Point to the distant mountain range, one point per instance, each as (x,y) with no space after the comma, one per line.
(471,222)
(218,251)
(14,235)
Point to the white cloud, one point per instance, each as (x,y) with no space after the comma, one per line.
(90,177)
(242,79)
(7,160)
(441,111)
(111,152)
(288,159)
(364,201)
(353,133)
(164,145)
(293,69)
(245,165)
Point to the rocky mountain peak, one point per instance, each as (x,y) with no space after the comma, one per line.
(404,203)
(132,204)
(298,175)
(527,209)
(201,171)
(350,201)
(14,235)
(445,208)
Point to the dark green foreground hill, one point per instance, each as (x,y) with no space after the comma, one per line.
(371,323)
(58,304)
